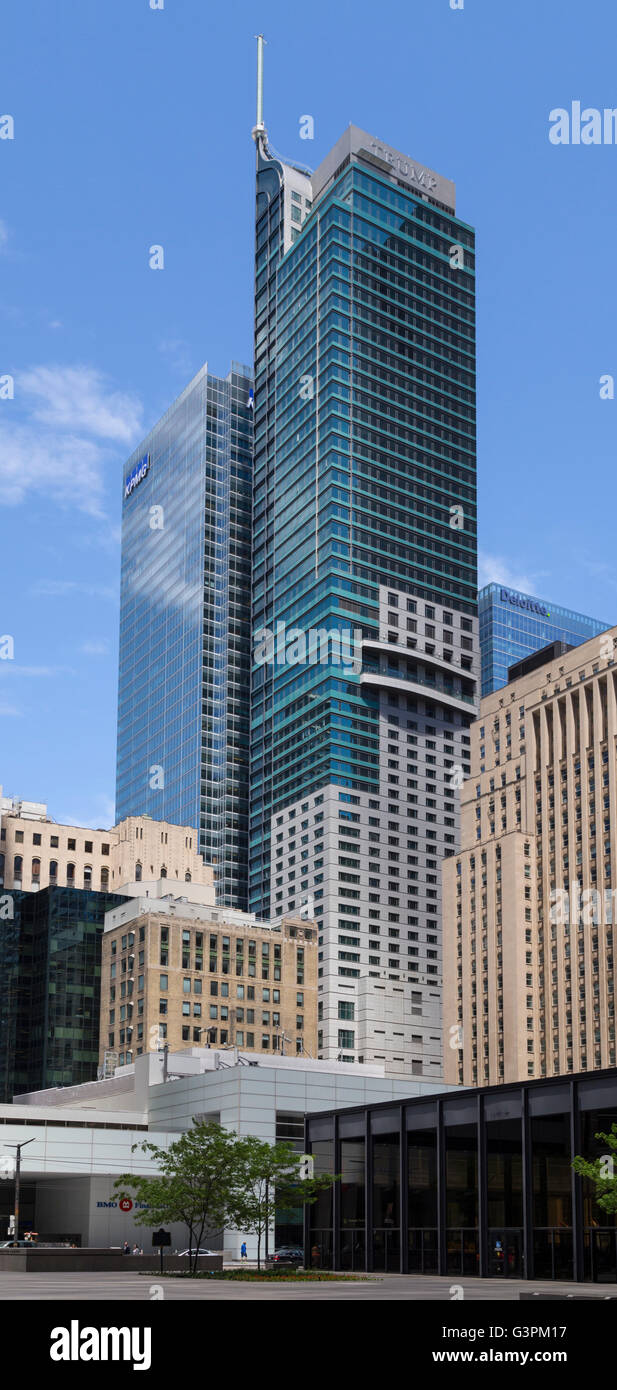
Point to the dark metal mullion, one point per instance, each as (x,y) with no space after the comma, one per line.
(527,1187)
(404,1192)
(441,1190)
(369,1191)
(482,1188)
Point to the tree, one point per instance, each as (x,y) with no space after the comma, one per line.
(272,1180)
(198,1182)
(601,1171)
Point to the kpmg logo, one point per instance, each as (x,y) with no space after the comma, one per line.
(137,475)
(520,600)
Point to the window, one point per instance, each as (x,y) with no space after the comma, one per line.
(163,982)
(346,1039)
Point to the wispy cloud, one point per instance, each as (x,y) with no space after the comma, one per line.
(60,588)
(67,427)
(177,353)
(4,235)
(10,711)
(10,668)
(79,398)
(95,648)
(495,569)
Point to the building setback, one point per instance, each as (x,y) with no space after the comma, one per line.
(177,972)
(184,668)
(364,528)
(514,625)
(529,982)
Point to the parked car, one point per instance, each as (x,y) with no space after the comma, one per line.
(287,1255)
(199,1252)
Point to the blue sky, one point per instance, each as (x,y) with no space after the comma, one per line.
(132,128)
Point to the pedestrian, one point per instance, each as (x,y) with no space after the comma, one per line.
(126,1249)
(243,1251)
(136,1249)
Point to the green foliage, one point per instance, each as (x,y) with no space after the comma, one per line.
(272,1181)
(198,1182)
(602,1171)
(209,1179)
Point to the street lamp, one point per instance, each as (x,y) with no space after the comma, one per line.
(19,1148)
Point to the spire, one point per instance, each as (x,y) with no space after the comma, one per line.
(259,127)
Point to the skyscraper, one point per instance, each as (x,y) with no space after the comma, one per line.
(364,577)
(513,625)
(183,710)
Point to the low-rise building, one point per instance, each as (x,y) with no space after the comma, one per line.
(84,1135)
(180,971)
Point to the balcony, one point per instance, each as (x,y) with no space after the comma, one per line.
(392,677)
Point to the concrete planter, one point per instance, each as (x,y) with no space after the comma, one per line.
(43,1261)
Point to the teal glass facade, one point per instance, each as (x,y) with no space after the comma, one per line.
(513,625)
(364,446)
(50,964)
(184,663)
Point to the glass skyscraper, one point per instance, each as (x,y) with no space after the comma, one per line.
(184,665)
(514,625)
(364,533)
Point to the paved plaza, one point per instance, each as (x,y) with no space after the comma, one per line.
(143,1288)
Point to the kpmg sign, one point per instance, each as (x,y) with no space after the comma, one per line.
(136,475)
(521,601)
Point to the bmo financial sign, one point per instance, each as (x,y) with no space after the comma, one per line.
(136,476)
(521,601)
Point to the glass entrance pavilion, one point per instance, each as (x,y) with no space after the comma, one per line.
(475,1183)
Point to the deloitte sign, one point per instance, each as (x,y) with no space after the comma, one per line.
(136,475)
(521,601)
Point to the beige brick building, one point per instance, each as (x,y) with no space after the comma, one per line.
(529,900)
(185,973)
(36,852)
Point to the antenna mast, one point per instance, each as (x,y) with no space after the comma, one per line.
(259,127)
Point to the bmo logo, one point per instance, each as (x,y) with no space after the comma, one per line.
(125,1204)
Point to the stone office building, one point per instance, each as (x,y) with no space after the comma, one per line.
(36,852)
(181,972)
(529,902)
